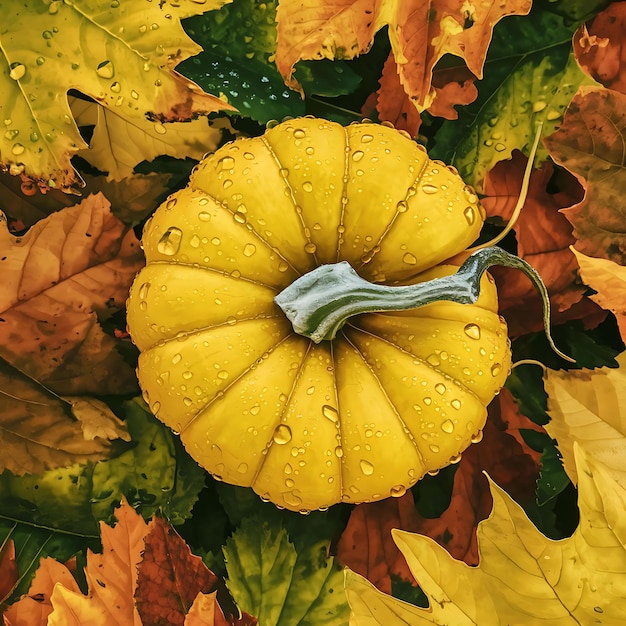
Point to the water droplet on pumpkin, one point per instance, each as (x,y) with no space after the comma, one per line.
(358,155)
(17,149)
(440,388)
(249,249)
(402,207)
(307,185)
(155,407)
(433,360)
(434,448)
(366,138)
(409,259)
(282,434)
(105,69)
(472,331)
(40,60)
(17,71)
(283,266)
(476,438)
(455,459)
(366,467)
(143,290)
(456,404)
(299,133)
(170,241)
(430,189)
(330,412)
(203,216)
(428,401)
(194,242)
(397,491)
(291,499)
(339,452)
(470,215)
(447,426)
(222,374)
(310,248)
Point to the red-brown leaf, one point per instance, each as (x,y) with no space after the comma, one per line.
(169,577)
(8,570)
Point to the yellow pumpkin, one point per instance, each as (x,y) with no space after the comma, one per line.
(305,423)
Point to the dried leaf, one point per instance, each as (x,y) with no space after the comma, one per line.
(609,281)
(119,144)
(421,33)
(111,578)
(599,47)
(8,570)
(169,577)
(588,407)
(523,577)
(58,278)
(37,429)
(205,611)
(590,144)
(127,66)
(35,607)
(97,419)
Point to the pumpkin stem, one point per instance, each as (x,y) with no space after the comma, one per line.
(319,303)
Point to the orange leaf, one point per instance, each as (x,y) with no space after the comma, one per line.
(366,545)
(501,453)
(8,570)
(68,270)
(34,608)
(600,49)
(543,238)
(111,577)
(169,577)
(590,144)
(420,32)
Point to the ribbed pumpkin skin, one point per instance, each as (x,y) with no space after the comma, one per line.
(355,419)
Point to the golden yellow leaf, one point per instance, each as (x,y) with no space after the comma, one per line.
(523,578)
(609,280)
(97,419)
(127,66)
(589,407)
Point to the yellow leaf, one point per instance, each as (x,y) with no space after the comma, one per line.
(97,419)
(111,577)
(609,280)
(118,144)
(589,407)
(523,578)
(127,67)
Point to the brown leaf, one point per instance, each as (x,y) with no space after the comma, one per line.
(205,611)
(543,238)
(35,607)
(37,429)
(501,453)
(59,278)
(8,570)
(599,47)
(169,577)
(366,545)
(590,144)
(452,86)
(97,419)
(111,578)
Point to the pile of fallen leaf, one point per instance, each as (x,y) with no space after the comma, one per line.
(106,110)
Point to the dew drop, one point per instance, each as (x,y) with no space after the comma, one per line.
(187,375)
(366,467)
(155,407)
(433,360)
(291,499)
(170,241)
(402,207)
(428,401)
(249,250)
(496,368)
(17,149)
(194,242)
(17,71)
(143,290)
(283,266)
(472,331)
(282,434)
(397,491)
(470,215)
(242,468)
(430,189)
(310,248)
(409,259)
(434,448)
(330,412)
(440,388)
(447,426)
(177,358)
(358,155)
(307,185)
(222,374)
(299,133)
(227,183)
(367,138)
(159,128)
(338,452)
(455,459)
(456,404)
(254,410)
(478,437)
(105,69)
(203,216)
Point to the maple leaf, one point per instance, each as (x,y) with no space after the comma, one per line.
(598,47)
(8,570)
(590,144)
(421,33)
(111,578)
(523,577)
(543,237)
(588,407)
(127,66)
(38,430)
(58,278)
(34,608)
(609,281)
(117,144)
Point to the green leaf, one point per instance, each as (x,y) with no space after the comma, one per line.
(156,475)
(306,587)
(526,384)
(552,477)
(33,542)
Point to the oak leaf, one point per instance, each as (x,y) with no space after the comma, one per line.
(38,430)
(590,144)
(34,608)
(599,47)
(127,66)
(522,577)
(169,577)
(421,33)
(608,279)
(111,578)
(588,407)
(66,272)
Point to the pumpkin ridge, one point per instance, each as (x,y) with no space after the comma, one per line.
(339,428)
(344,191)
(391,404)
(213,269)
(432,367)
(245,372)
(377,246)
(294,204)
(270,443)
